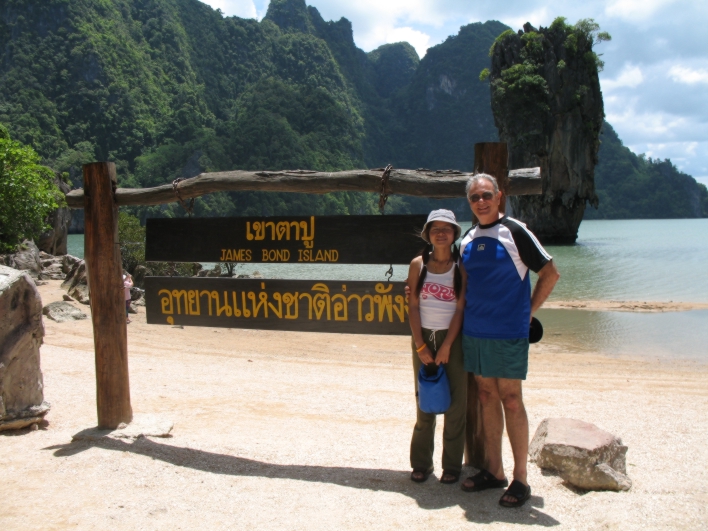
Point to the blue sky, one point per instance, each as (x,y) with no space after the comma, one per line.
(655,82)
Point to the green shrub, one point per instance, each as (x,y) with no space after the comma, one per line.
(27,193)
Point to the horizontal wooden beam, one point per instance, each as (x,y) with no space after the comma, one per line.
(421,183)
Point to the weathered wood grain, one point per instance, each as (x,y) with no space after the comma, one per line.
(421,183)
(103,263)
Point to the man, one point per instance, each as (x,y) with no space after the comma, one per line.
(497,255)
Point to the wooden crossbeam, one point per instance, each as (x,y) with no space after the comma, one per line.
(421,183)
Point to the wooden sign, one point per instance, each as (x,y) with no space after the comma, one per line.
(351,307)
(304,240)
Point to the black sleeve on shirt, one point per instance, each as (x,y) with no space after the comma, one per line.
(532,253)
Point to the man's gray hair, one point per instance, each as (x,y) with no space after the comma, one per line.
(478,177)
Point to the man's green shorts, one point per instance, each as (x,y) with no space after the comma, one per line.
(496,358)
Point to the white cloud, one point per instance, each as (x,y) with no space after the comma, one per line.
(535,17)
(631,76)
(634,10)
(419,40)
(238,8)
(689,76)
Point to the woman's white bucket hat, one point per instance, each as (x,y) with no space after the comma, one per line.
(448,216)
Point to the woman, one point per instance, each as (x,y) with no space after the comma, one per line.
(435,309)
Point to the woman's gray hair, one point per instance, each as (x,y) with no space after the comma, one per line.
(478,177)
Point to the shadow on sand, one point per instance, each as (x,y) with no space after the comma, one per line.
(479,507)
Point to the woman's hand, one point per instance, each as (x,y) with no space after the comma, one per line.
(426,356)
(443,355)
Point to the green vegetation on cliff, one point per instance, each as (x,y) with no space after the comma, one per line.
(631,186)
(171,88)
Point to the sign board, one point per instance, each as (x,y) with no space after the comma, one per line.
(351,307)
(303,240)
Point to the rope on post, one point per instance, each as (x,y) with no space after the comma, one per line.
(383,197)
(188,207)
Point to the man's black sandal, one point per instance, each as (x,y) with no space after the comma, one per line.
(419,475)
(484,480)
(517,490)
(455,477)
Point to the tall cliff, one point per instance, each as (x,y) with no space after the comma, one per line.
(547,105)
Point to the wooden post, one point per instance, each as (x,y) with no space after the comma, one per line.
(104,268)
(490,158)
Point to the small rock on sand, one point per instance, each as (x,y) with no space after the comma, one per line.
(583,454)
(61,312)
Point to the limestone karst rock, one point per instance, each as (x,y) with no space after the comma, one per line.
(21,335)
(54,241)
(548,107)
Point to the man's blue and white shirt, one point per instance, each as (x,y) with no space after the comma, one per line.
(497,258)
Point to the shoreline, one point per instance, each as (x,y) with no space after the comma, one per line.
(624,306)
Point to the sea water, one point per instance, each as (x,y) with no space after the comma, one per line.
(637,260)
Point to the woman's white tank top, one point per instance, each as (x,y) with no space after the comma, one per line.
(437,301)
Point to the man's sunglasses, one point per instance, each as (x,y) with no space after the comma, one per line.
(487,196)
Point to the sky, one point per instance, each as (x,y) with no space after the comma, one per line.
(655,80)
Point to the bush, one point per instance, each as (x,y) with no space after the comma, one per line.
(27,193)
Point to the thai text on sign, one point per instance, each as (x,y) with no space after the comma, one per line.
(357,307)
(308,239)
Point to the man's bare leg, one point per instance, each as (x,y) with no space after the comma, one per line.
(517,427)
(493,419)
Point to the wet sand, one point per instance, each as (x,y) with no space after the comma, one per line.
(287,430)
(626,306)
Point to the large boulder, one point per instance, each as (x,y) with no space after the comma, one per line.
(21,333)
(76,283)
(26,259)
(583,454)
(54,240)
(52,266)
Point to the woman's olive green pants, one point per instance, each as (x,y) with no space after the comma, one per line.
(422,443)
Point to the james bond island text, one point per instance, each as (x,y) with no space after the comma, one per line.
(307,239)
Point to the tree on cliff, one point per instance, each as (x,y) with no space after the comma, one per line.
(27,193)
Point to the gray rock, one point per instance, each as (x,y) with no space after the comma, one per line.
(21,333)
(63,311)
(215,272)
(68,262)
(53,267)
(67,298)
(139,276)
(583,454)
(27,258)
(76,283)
(136,293)
(55,239)
(132,308)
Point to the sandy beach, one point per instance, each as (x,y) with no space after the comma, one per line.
(288,430)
